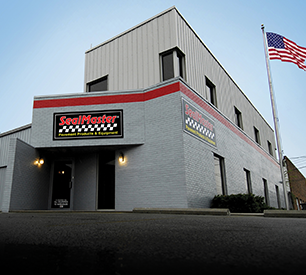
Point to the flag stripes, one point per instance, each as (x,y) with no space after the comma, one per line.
(285,50)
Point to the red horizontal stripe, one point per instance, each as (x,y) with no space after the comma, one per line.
(106,99)
(195,98)
(140,97)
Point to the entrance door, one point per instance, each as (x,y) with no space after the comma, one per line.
(62,184)
(106,184)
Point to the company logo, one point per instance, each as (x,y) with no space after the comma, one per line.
(197,124)
(98,124)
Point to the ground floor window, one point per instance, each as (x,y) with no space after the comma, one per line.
(277,196)
(266,191)
(220,175)
(248,182)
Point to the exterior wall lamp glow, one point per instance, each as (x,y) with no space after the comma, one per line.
(121,158)
(39,162)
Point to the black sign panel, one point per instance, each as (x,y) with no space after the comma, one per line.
(197,124)
(80,125)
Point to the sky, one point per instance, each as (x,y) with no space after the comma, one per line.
(43,44)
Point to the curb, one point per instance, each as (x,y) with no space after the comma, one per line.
(285,213)
(247,214)
(185,211)
(181,211)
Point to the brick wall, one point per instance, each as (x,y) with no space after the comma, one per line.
(297,184)
(26,185)
(239,152)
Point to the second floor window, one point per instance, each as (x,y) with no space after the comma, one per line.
(98,85)
(172,64)
(211,92)
(238,118)
(256,133)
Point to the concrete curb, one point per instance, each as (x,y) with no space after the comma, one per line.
(182,211)
(285,213)
(188,211)
(247,214)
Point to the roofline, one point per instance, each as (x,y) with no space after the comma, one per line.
(234,82)
(133,28)
(16,130)
(198,37)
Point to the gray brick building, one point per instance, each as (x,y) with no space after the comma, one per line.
(160,124)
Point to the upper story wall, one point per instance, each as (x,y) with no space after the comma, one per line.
(200,65)
(132,60)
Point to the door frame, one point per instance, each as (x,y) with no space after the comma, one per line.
(51,184)
(98,179)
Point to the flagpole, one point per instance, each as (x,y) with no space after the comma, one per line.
(276,120)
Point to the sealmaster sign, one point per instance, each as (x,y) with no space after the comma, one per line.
(197,124)
(99,124)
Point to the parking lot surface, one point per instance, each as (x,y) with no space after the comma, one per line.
(130,243)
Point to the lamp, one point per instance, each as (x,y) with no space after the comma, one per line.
(121,158)
(39,162)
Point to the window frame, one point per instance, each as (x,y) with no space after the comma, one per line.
(266,191)
(238,118)
(212,91)
(278,196)
(97,81)
(178,64)
(248,181)
(221,165)
(270,149)
(256,135)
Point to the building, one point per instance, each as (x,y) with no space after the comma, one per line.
(160,124)
(297,184)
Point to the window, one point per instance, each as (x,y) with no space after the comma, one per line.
(181,60)
(266,191)
(297,203)
(167,66)
(238,118)
(220,175)
(248,181)
(98,85)
(172,64)
(277,196)
(211,92)
(270,148)
(256,134)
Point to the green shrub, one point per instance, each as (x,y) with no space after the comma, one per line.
(240,203)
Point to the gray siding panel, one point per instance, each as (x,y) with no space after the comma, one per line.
(23,134)
(200,63)
(2,181)
(129,54)
(126,57)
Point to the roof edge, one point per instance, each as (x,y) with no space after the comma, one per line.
(132,28)
(16,130)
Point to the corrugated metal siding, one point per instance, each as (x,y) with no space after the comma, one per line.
(125,59)
(2,181)
(200,63)
(23,134)
(131,61)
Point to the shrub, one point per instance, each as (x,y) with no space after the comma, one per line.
(240,203)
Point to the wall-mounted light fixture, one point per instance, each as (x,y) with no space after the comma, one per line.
(39,162)
(121,158)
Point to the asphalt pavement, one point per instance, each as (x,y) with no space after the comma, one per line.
(141,243)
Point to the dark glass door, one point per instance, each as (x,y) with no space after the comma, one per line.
(106,186)
(62,184)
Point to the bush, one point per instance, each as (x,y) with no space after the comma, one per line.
(240,203)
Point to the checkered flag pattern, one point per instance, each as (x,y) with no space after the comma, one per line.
(88,128)
(200,128)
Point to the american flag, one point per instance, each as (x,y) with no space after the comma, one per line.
(280,47)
